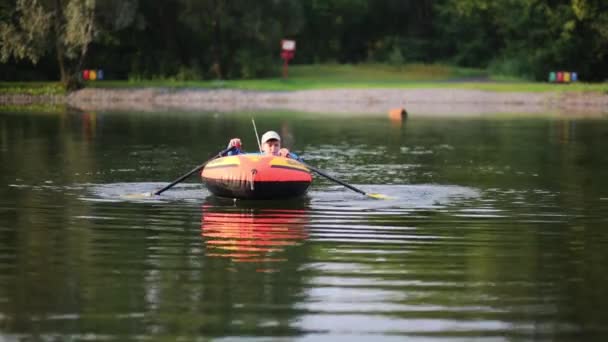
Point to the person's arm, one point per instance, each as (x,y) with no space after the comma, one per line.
(236,143)
(285,153)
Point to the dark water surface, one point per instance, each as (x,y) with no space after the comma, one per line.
(498,230)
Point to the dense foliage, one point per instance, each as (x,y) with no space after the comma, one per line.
(224,39)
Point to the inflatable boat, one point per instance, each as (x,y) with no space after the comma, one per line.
(254,176)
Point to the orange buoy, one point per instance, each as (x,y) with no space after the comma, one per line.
(254,176)
(396,115)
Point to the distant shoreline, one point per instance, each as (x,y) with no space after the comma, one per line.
(354,101)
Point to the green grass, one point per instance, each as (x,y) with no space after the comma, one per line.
(32,88)
(325,76)
(33,108)
(293,84)
(334,76)
(538,87)
(372,73)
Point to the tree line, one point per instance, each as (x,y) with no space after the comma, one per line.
(226,39)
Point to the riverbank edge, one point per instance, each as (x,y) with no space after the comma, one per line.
(423,101)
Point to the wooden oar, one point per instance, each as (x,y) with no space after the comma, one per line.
(196,169)
(321,173)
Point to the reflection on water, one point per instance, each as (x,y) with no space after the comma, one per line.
(252,235)
(496,231)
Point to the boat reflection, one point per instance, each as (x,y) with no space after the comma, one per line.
(253,232)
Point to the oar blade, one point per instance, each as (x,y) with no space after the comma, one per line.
(138,196)
(380,196)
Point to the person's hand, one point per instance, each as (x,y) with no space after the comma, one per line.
(284,152)
(235,142)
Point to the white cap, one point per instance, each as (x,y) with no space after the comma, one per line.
(269,136)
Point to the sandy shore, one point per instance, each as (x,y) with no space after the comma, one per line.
(353,101)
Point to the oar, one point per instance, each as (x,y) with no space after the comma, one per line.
(321,173)
(196,169)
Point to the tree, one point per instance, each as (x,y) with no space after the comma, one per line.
(66,28)
(527,38)
(587,34)
(25,37)
(240,38)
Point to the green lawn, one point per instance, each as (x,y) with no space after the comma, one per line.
(32,88)
(382,73)
(332,76)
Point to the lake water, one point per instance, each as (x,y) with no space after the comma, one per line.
(497,230)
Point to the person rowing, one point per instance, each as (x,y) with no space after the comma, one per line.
(270,144)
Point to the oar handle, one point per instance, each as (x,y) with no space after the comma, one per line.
(321,173)
(196,169)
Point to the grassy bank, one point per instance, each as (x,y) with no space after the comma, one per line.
(32,88)
(39,108)
(330,76)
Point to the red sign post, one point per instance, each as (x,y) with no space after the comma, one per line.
(288,49)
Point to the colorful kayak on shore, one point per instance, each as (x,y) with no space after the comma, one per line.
(253,176)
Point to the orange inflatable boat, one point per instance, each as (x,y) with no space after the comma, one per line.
(254,176)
